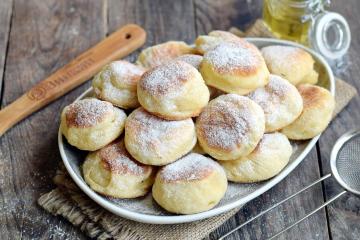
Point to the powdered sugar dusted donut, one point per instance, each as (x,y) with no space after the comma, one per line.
(270,156)
(292,63)
(195,61)
(192,59)
(116,83)
(205,43)
(173,91)
(234,67)
(318,108)
(90,124)
(281,102)
(190,185)
(112,171)
(156,141)
(230,127)
(162,53)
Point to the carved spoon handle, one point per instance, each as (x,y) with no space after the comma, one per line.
(117,45)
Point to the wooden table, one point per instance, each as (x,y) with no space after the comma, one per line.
(37,37)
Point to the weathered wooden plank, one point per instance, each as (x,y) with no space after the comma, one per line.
(44,36)
(163,20)
(5,17)
(212,15)
(222,15)
(344,214)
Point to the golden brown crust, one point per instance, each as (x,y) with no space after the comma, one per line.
(311,95)
(115,158)
(318,108)
(292,63)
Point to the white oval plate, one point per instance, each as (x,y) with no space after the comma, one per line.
(146,210)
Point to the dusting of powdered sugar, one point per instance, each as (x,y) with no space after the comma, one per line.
(87,112)
(226,122)
(271,97)
(270,142)
(125,72)
(153,134)
(167,79)
(281,55)
(116,159)
(188,168)
(191,59)
(229,56)
(146,204)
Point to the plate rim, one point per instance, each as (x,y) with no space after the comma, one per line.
(175,219)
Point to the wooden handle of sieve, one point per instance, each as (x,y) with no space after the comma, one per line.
(119,44)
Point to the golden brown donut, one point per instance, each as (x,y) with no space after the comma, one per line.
(206,43)
(190,185)
(319,106)
(270,156)
(112,171)
(281,102)
(90,124)
(173,91)
(234,67)
(162,53)
(116,83)
(195,61)
(230,127)
(292,63)
(156,141)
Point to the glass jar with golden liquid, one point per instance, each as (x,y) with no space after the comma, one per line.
(307,22)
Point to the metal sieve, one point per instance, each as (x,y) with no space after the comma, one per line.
(345,168)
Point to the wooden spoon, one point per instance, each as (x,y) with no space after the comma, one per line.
(119,44)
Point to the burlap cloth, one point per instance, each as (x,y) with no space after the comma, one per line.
(70,202)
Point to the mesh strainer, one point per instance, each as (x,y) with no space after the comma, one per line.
(345,167)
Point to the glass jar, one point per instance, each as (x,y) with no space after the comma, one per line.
(307,22)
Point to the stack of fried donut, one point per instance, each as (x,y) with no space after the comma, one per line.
(198,117)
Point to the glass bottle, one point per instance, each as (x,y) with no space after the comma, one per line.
(307,22)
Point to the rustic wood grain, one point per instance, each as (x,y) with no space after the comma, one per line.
(211,15)
(344,214)
(5,17)
(44,36)
(162,20)
(222,15)
(79,70)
